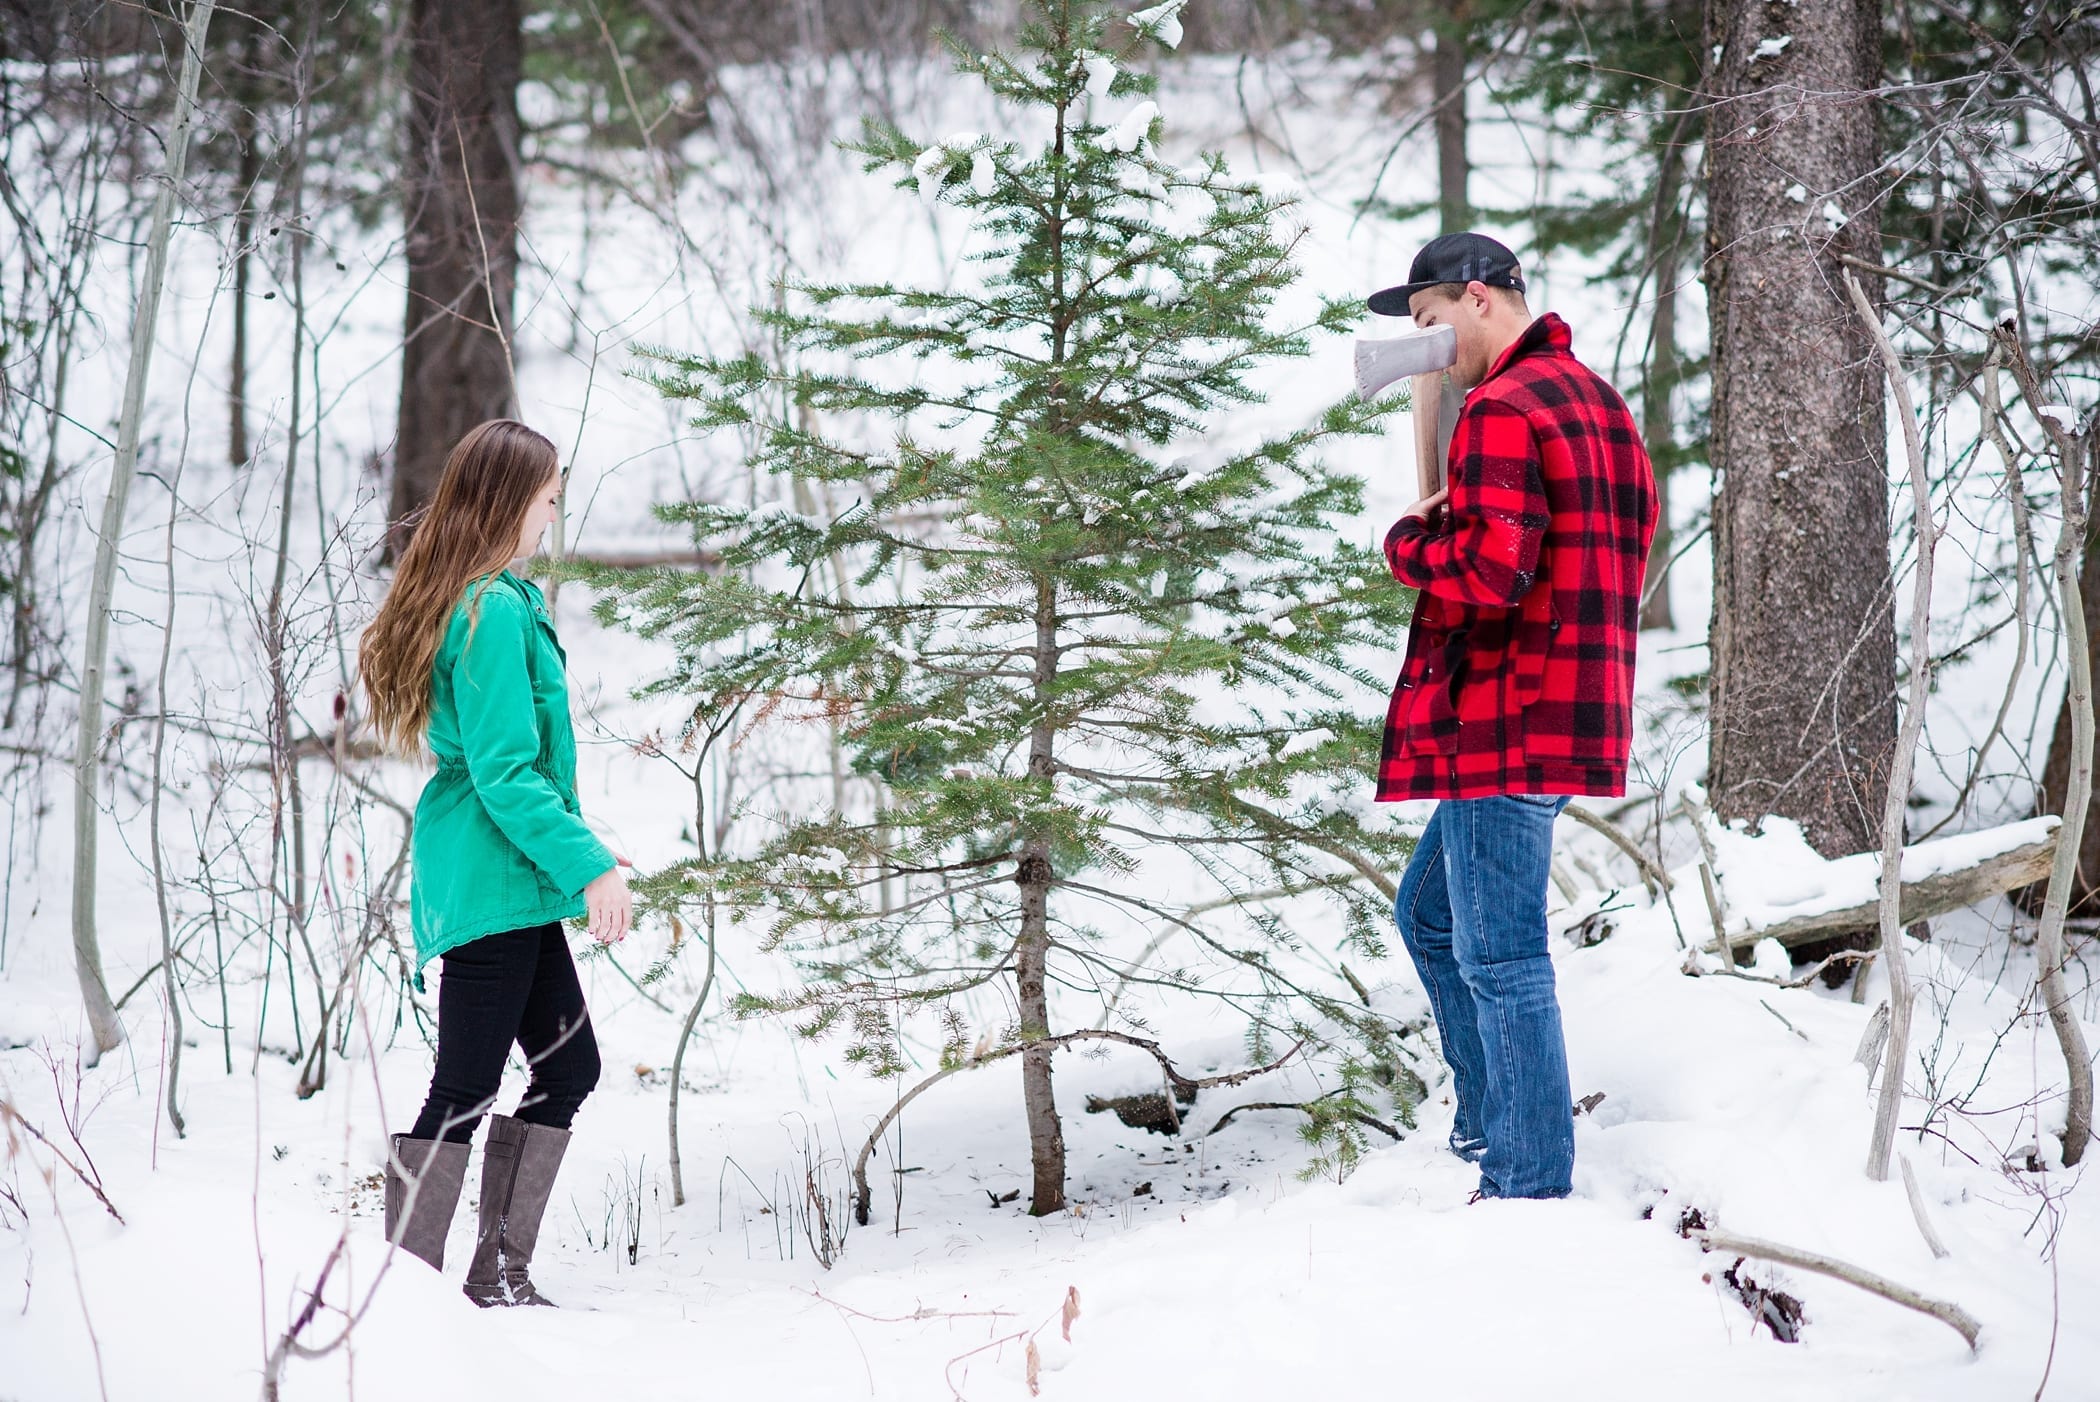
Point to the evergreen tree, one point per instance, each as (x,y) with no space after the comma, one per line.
(1081,667)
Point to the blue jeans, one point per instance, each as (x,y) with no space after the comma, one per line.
(1472,912)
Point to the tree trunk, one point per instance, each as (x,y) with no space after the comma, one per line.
(103,1023)
(2056,774)
(244,133)
(1448,73)
(460,214)
(1803,631)
(1046,1134)
(1660,382)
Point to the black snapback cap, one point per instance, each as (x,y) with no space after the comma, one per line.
(1451,258)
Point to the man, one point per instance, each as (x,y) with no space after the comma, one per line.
(1516,692)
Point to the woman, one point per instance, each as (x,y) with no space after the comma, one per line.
(463,655)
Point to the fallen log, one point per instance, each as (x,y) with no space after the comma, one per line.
(1951,874)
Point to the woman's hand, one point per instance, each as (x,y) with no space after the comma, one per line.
(611,906)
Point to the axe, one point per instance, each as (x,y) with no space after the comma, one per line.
(1421,356)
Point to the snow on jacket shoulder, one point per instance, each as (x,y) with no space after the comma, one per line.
(1518,676)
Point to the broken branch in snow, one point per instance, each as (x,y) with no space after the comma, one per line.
(1304,1107)
(1917,1209)
(1951,1315)
(863,1196)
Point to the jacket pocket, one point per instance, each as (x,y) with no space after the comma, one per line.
(1433,722)
(1536,628)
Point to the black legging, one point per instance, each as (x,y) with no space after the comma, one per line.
(519,986)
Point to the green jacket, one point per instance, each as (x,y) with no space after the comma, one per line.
(499,843)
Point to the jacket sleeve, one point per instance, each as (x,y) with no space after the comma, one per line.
(1486,549)
(492,687)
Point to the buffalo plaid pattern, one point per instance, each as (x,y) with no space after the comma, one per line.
(1519,669)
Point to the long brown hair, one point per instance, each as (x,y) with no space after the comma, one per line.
(470,530)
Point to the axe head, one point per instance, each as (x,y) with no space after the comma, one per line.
(1379,363)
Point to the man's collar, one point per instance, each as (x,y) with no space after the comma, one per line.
(1548,333)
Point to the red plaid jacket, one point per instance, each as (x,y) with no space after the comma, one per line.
(1519,669)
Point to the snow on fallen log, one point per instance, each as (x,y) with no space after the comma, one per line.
(1775,886)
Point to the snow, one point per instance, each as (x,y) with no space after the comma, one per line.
(1100,74)
(1771,48)
(2062,415)
(1126,134)
(1797,192)
(1162,22)
(929,168)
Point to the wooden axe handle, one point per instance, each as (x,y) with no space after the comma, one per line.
(1428,391)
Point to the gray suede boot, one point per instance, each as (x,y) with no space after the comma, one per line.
(518,1165)
(435,1169)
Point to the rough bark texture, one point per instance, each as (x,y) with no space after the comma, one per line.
(1803,631)
(2056,775)
(1448,74)
(460,207)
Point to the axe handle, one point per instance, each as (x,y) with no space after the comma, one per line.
(1428,391)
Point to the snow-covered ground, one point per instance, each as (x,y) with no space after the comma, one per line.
(1202,1266)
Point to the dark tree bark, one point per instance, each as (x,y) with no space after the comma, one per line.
(460,213)
(2056,774)
(248,177)
(1660,382)
(1803,635)
(1448,74)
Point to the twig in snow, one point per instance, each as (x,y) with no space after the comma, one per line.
(1713,910)
(1951,1315)
(1782,1019)
(1917,1209)
(10,1115)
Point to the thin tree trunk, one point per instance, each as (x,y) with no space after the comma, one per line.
(2076,459)
(685,1037)
(1901,991)
(1660,383)
(1803,632)
(460,200)
(288,800)
(31,524)
(1448,91)
(103,1023)
(169,988)
(244,134)
(1046,1135)
(2056,772)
